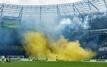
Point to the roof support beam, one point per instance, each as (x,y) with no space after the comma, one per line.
(40,14)
(20,13)
(105,4)
(91,4)
(75,8)
(58,11)
(1,8)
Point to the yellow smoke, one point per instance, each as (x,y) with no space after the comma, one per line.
(38,45)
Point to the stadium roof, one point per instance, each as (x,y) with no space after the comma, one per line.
(84,6)
(37,2)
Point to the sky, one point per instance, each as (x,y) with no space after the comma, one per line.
(37,2)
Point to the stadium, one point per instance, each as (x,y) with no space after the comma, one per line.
(72,34)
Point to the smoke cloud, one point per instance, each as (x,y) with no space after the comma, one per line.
(38,45)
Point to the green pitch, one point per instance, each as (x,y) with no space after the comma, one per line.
(53,64)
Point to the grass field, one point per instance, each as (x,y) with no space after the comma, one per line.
(53,64)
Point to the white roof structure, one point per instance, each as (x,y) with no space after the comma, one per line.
(83,6)
(37,2)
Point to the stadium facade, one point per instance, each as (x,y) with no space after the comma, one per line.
(85,20)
